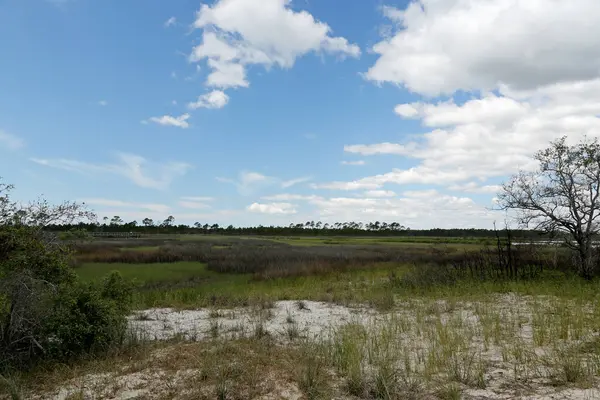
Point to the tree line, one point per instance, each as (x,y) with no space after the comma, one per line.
(309,228)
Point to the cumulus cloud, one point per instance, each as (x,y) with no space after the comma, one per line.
(441,46)
(417,175)
(130,166)
(167,120)
(492,136)
(272,208)
(239,33)
(474,187)
(380,193)
(213,100)
(10,141)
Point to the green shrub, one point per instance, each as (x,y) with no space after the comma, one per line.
(88,319)
(44,311)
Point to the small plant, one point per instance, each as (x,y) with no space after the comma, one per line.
(301,304)
(214,329)
(290,318)
(570,366)
(10,386)
(386,381)
(79,395)
(449,392)
(384,301)
(143,317)
(214,313)
(260,331)
(292,332)
(222,389)
(312,379)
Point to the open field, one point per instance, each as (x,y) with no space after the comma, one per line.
(233,318)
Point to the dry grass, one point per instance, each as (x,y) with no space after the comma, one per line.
(501,346)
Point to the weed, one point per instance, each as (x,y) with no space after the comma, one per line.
(302,305)
(569,365)
(312,379)
(289,318)
(449,392)
(79,395)
(222,389)
(292,331)
(11,386)
(214,329)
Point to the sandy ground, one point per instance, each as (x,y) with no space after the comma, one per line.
(313,319)
(316,321)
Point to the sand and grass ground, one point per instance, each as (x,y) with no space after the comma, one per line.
(348,334)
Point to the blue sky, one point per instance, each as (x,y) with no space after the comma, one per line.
(273,111)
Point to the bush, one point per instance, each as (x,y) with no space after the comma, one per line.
(44,311)
(88,319)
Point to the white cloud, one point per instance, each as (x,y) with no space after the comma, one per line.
(420,193)
(358,162)
(294,182)
(354,185)
(441,46)
(214,99)
(159,208)
(249,181)
(416,175)
(167,120)
(489,137)
(193,204)
(10,141)
(418,212)
(289,197)
(379,148)
(103,103)
(200,199)
(130,166)
(239,33)
(474,187)
(380,193)
(272,208)
(408,110)
(171,21)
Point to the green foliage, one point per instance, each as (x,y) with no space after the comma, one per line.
(44,311)
(88,319)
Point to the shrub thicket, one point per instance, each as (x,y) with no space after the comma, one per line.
(45,312)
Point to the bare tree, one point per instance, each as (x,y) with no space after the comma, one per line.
(561,196)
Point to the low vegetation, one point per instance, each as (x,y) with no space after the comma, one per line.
(209,316)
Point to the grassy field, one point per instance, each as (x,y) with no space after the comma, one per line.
(347,240)
(391,320)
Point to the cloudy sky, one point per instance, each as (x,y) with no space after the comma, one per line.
(276,111)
